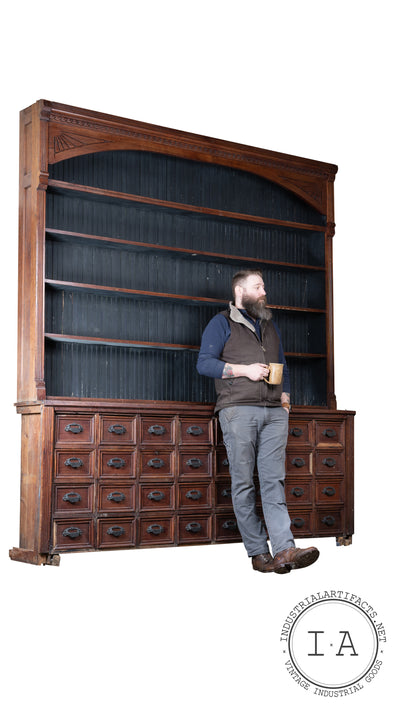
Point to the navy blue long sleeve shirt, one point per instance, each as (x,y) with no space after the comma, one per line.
(215,336)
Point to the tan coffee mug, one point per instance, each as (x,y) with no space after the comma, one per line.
(275,374)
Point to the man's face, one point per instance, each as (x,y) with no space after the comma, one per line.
(253,296)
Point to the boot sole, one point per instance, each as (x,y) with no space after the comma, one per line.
(303,561)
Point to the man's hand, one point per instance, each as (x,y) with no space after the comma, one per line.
(254,371)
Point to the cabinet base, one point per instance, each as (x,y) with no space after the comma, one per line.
(344,540)
(26,556)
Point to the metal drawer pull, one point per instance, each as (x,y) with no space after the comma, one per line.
(329,520)
(116,462)
(194,430)
(230,524)
(298,462)
(296,431)
(72,497)
(225,462)
(156,496)
(194,494)
(226,492)
(193,527)
(329,462)
(156,430)
(116,496)
(297,491)
(73,462)
(156,463)
(72,532)
(117,429)
(115,531)
(194,463)
(298,522)
(74,427)
(329,432)
(329,491)
(155,529)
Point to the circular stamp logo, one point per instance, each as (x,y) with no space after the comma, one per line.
(333,643)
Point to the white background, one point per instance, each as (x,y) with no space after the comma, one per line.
(192,628)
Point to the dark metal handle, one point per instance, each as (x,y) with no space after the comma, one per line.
(194,430)
(116,496)
(156,496)
(298,462)
(157,430)
(298,522)
(193,527)
(329,462)
(230,524)
(74,427)
(227,493)
(329,520)
(72,532)
(194,463)
(296,431)
(225,462)
(194,494)
(156,463)
(116,462)
(115,531)
(73,462)
(155,529)
(117,429)
(329,432)
(72,497)
(329,491)
(297,491)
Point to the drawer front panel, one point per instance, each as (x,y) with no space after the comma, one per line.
(156,463)
(116,498)
(328,521)
(115,532)
(298,490)
(157,431)
(196,431)
(74,464)
(194,529)
(330,432)
(156,531)
(119,463)
(194,496)
(330,462)
(300,432)
(298,462)
(153,497)
(118,430)
(329,490)
(226,528)
(73,499)
(74,430)
(222,462)
(301,521)
(195,463)
(223,493)
(72,534)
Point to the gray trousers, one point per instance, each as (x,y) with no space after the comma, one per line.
(258,436)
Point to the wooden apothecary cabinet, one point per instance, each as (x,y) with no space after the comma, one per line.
(129,236)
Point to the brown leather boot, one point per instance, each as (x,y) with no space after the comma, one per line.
(261,562)
(293,558)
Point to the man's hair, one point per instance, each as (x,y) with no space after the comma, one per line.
(241,276)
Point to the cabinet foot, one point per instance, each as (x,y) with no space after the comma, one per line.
(26,556)
(344,540)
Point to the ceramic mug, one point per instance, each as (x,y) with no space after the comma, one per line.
(275,374)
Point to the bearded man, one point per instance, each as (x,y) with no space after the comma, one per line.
(236,349)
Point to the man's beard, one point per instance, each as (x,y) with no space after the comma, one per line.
(257,308)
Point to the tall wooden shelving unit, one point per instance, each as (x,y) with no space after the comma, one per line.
(129,236)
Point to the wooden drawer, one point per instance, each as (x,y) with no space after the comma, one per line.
(329,521)
(196,431)
(301,521)
(73,533)
(195,463)
(222,461)
(74,464)
(226,528)
(157,430)
(329,462)
(194,496)
(117,430)
(70,429)
(300,432)
(329,490)
(194,529)
(156,531)
(116,498)
(223,493)
(153,497)
(298,490)
(298,461)
(73,498)
(330,432)
(117,462)
(156,463)
(115,532)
